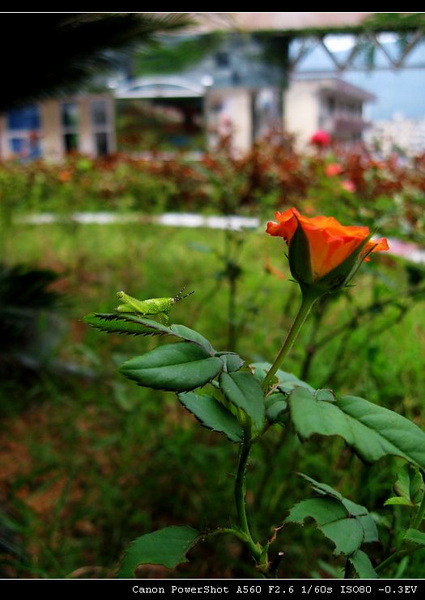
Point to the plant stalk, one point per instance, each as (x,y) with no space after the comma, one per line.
(420,514)
(306,304)
(392,558)
(401,553)
(240,493)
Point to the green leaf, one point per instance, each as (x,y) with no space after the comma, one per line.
(212,414)
(190,335)
(370,532)
(276,407)
(333,520)
(396,500)
(133,324)
(372,431)
(232,361)
(415,536)
(244,391)
(285,381)
(409,483)
(167,547)
(362,565)
(173,367)
(322,488)
(124,324)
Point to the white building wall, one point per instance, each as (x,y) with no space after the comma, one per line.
(86,141)
(4,146)
(52,143)
(301,111)
(230,111)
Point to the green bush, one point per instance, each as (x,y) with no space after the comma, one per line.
(97,472)
(86,468)
(387,194)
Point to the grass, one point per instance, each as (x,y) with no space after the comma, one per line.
(90,461)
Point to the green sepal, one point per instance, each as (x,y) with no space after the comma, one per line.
(212,414)
(341,275)
(299,257)
(173,367)
(300,264)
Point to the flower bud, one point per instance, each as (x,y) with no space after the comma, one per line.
(323,254)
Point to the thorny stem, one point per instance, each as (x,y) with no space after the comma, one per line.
(395,556)
(306,304)
(347,570)
(240,491)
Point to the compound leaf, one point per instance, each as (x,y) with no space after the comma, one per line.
(371,430)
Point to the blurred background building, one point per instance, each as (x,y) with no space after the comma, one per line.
(243,73)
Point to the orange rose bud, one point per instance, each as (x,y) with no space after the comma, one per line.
(323,254)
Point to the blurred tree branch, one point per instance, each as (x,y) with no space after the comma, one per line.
(49,54)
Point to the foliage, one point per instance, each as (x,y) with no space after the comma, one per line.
(29,317)
(396,21)
(175,56)
(85,44)
(356,186)
(244,401)
(80,463)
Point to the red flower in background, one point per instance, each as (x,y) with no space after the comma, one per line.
(348,185)
(321,139)
(333,169)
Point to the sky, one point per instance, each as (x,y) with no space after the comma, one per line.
(397,91)
(400,92)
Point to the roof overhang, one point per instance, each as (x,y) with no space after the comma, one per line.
(279,21)
(159,87)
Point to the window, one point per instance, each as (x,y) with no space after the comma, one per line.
(165,124)
(222,60)
(70,121)
(99,113)
(70,142)
(101,142)
(70,114)
(101,126)
(23,118)
(331,105)
(23,132)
